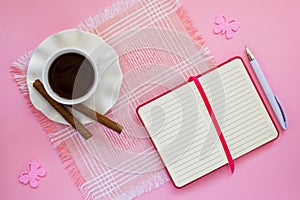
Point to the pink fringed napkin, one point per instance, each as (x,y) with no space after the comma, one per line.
(158,49)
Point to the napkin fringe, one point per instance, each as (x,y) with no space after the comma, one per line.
(189,25)
(147,186)
(194,32)
(70,165)
(19,69)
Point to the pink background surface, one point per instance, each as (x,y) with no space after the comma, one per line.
(270,28)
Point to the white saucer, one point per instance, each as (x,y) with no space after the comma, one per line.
(105,57)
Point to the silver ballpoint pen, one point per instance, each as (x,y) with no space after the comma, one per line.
(273,100)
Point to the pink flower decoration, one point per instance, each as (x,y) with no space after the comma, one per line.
(32,176)
(225,26)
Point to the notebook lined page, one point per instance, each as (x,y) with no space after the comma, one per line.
(239,110)
(184,137)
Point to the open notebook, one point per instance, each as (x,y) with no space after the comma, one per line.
(182,130)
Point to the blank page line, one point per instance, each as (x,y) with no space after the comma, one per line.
(190,149)
(171,150)
(171,127)
(179,94)
(239,106)
(244,139)
(179,168)
(231,98)
(241,151)
(163,138)
(224,78)
(182,140)
(176,108)
(255,122)
(186,170)
(238,131)
(230,124)
(201,128)
(253,132)
(188,98)
(192,152)
(233,88)
(218,162)
(157,118)
(225,81)
(195,150)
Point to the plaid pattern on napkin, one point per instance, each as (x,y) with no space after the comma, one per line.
(158,49)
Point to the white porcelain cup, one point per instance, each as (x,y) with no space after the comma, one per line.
(53,94)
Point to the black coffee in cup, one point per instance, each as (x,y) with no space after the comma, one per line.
(71,75)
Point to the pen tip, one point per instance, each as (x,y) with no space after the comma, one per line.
(249,54)
(246,48)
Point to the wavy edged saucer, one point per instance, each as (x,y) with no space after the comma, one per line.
(105,57)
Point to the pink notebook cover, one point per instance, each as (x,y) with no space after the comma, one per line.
(198,76)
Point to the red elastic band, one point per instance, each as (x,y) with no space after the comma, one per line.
(214,120)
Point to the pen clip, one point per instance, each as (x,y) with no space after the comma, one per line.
(285,124)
